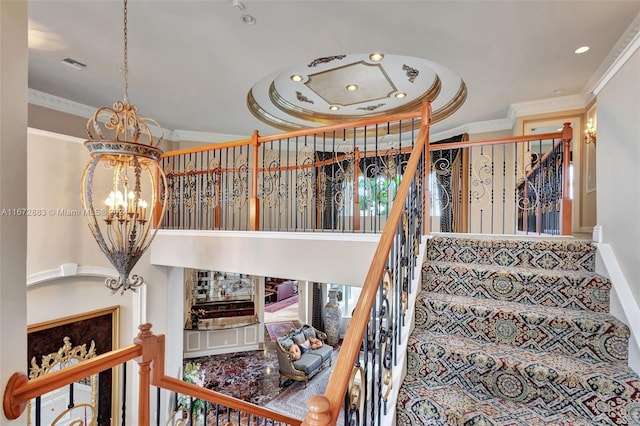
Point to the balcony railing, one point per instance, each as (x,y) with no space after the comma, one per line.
(331,179)
(502,186)
(313,181)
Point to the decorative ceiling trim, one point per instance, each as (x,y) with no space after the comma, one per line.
(263,115)
(57,103)
(541,106)
(474,128)
(626,46)
(314,117)
(544,106)
(452,106)
(193,136)
(325,60)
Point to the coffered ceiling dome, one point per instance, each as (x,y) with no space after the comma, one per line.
(341,88)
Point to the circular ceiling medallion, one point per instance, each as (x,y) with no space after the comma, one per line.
(343,88)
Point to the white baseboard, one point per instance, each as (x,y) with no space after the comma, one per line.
(623,304)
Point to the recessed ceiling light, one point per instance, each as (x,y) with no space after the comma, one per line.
(248,19)
(581,49)
(237,4)
(352,87)
(376,57)
(400,95)
(73,64)
(334,107)
(296,77)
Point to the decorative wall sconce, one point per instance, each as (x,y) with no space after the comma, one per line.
(590,132)
(125,171)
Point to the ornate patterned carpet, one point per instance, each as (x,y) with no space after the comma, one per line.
(516,332)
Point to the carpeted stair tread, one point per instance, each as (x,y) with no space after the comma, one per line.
(567,289)
(514,330)
(584,334)
(557,253)
(601,392)
(422,402)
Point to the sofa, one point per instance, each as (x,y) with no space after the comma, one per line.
(281,289)
(307,361)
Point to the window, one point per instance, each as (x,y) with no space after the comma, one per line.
(350,297)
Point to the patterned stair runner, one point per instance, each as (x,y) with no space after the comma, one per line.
(515,331)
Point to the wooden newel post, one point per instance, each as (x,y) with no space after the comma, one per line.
(254,206)
(319,414)
(145,339)
(566,207)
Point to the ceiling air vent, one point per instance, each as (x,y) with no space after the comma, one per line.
(73,64)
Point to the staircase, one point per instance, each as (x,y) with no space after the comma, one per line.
(516,331)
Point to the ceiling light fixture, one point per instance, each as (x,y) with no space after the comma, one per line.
(296,77)
(125,159)
(582,49)
(376,57)
(400,95)
(248,19)
(352,87)
(237,5)
(334,107)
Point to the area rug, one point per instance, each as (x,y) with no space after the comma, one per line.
(276,306)
(279,329)
(293,400)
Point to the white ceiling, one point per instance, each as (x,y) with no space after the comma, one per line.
(193,63)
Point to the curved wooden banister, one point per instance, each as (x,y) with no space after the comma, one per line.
(350,348)
(294,134)
(180,386)
(495,141)
(148,351)
(20,389)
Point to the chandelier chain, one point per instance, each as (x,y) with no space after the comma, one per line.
(126,61)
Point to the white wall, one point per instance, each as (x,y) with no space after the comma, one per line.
(56,237)
(320,257)
(13,173)
(618,165)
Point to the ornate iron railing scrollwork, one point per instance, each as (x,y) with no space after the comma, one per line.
(356,396)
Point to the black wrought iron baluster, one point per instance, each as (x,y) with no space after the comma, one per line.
(157,406)
(124,394)
(38,410)
(504,186)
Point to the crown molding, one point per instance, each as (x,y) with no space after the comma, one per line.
(545,106)
(60,104)
(57,103)
(542,106)
(475,127)
(625,47)
(193,136)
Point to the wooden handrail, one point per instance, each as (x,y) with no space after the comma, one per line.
(154,351)
(494,141)
(350,348)
(148,351)
(294,134)
(20,389)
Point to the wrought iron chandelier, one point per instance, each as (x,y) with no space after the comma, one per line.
(124,189)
